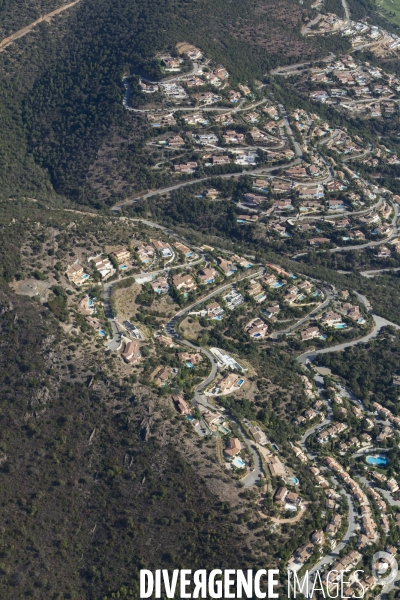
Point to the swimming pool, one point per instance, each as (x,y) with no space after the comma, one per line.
(377,461)
(189,418)
(123,267)
(361,320)
(275,447)
(189,364)
(292,276)
(340,326)
(294,480)
(239,463)
(102,332)
(240,382)
(85,276)
(223,429)
(278,284)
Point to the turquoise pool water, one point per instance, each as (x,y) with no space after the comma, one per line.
(278,284)
(189,418)
(240,382)
(85,276)
(377,461)
(102,332)
(294,480)
(189,364)
(340,326)
(239,463)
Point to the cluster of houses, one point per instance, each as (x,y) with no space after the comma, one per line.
(387,413)
(331,432)
(367,522)
(390,483)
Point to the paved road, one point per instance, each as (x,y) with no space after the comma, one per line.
(260,170)
(309,432)
(379,323)
(346,9)
(177,186)
(363,246)
(376,272)
(329,296)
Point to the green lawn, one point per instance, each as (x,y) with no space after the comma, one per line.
(390,9)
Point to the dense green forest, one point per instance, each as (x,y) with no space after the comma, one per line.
(368,369)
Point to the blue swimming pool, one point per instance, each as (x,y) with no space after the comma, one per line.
(85,276)
(238,462)
(340,326)
(189,364)
(90,302)
(377,461)
(189,418)
(294,480)
(240,382)
(278,284)
(123,267)
(102,332)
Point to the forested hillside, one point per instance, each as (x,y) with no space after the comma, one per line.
(62,83)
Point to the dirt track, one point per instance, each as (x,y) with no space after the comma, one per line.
(21,32)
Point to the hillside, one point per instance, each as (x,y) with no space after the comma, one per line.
(68,84)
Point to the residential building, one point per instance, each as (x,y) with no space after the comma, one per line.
(189,167)
(214,310)
(184,282)
(194,359)
(253,199)
(181,404)
(175,141)
(276,467)
(233,447)
(122,255)
(162,248)
(271,311)
(257,329)
(131,354)
(258,435)
(104,266)
(162,376)
(76,274)
(160,285)
(330,318)
(317,241)
(145,252)
(280,495)
(183,249)
(226,265)
(207,275)
(229,383)
(166,340)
